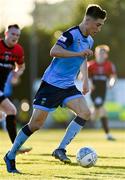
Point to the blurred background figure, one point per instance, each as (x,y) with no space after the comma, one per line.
(12,80)
(12,66)
(102,75)
(8,90)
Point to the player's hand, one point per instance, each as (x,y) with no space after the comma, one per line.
(85,88)
(15,78)
(86,53)
(15,74)
(111,82)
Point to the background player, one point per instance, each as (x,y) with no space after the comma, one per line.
(102,75)
(58,88)
(11,61)
(8,90)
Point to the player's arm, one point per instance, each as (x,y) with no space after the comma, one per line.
(84,71)
(19,69)
(65,41)
(17,72)
(112,80)
(112,77)
(58,51)
(19,64)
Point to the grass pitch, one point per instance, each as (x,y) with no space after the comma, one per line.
(40,165)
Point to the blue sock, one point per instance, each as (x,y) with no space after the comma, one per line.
(22,136)
(74,127)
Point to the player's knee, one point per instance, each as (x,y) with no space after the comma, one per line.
(35,125)
(85,114)
(103,112)
(34,128)
(11,110)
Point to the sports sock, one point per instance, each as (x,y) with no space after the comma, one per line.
(11,126)
(74,127)
(22,136)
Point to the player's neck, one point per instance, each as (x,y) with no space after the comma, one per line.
(83,29)
(7,44)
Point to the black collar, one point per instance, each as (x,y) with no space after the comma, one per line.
(81,32)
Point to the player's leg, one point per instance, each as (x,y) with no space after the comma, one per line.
(8,107)
(96,100)
(2,119)
(94,113)
(11,112)
(79,106)
(81,109)
(104,122)
(37,119)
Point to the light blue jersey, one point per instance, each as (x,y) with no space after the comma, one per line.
(63,71)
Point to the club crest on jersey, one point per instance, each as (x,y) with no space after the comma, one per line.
(62,38)
(43,101)
(7,55)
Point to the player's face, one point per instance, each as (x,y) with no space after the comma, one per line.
(101,55)
(12,36)
(94,26)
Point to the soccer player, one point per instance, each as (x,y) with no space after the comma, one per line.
(57,86)
(102,74)
(11,63)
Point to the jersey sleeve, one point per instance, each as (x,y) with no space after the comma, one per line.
(112,68)
(21,56)
(65,40)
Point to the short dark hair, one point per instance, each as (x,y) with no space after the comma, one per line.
(13,26)
(104,47)
(96,11)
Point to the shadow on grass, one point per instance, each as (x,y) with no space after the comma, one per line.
(30,174)
(2,164)
(112,167)
(39,154)
(102,157)
(66,177)
(103,174)
(31,162)
(61,163)
(110,173)
(63,177)
(110,157)
(47,155)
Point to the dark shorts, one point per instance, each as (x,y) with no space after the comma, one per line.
(98,100)
(49,97)
(2,96)
(3,79)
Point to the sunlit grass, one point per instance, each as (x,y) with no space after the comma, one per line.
(40,165)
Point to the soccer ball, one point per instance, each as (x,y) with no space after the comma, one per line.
(86,157)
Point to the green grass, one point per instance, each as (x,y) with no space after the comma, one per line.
(39,165)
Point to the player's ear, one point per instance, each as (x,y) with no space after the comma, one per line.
(88,20)
(6,33)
